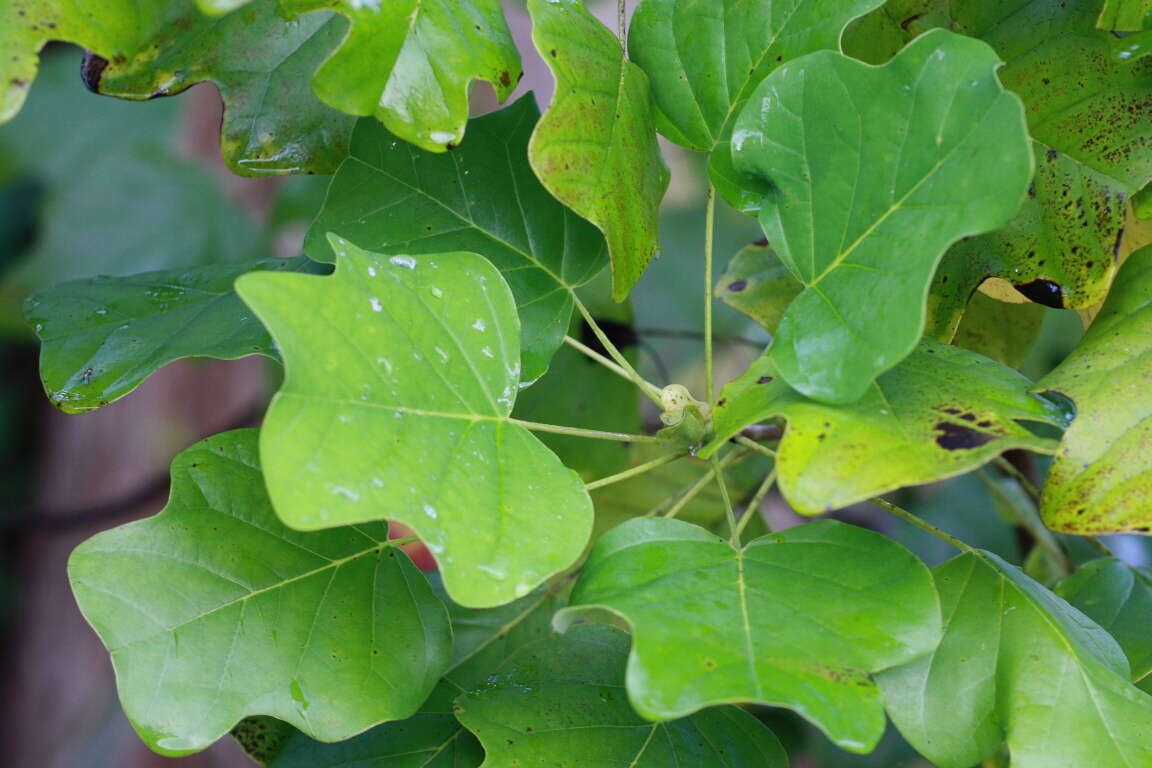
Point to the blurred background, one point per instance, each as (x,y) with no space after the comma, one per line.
(92,185)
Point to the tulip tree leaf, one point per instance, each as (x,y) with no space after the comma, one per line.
(757,284)
(100,338)
(1118,597)
(415,428)
(273,124)
(706,619)
(1101,479)
(1125,15)
(411,62)
(110,27)
(433,737)
(595,148)
(1017,664)
(936,151)
(481,197)
(999,330)
(942,412)
(213,610)
(564,697)
(705,59)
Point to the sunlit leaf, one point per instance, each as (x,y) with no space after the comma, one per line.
(481,197)
(1101,479)
(564,699)
(213,610)
(1017,664)
(1125,15)
(101,337)
(262,63)
(401,373)
(1118,597)
(411,62)
(936,151)
(595,148)
(708,621)
(705,58)
(942,412)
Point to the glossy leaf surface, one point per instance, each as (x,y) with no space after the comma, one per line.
(595,148)
(1101,479)
(706,619)
(936,151)
(262,64)
(432,738)
(942,412)
(411,62)
(1017,664)
(1118,597)
(481,197)
(101,337)
(565,698)
(759,285)
(415,426)
(213,610)
(705,58)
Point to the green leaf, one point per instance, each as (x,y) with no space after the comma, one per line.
(411,62)
(101,337)
(121,212)
(1101,479)
(415,427)
(999,330)
(1081,99)
(1118,597)
(110,27)
(564,698)
(433,736)
(1061,249)
(707,619)
(705,59)
(213,610)
(936,151)
(1017,664)
(757,284)
(482,197)
(1125,15)
(942,412)
(273,124)
(595,148)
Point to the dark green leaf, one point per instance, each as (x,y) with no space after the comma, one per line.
(796,619)
(1118,597)
(935,151)
(401,373)
(1100,479)
(1017,664)
(411,63)
(705,59)
(942,412)
(482,197)
(595,148)
(101,337)
(562,702)
(273,124)
(213,610)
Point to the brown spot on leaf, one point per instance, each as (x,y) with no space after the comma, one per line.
(91,70)
(764,379)
(737,285)
(1043,292)
(957,437)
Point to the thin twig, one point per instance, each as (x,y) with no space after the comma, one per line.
(753,507)
(709,235)
(687,335)
(1019,477)
(594,434)
(749,443)
(599,358)
(1101,546)
(692,491)
(622,23)
(639,469)
(1028,520)
(647,387)
(916,521)
(729,513)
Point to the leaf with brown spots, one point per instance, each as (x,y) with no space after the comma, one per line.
(1101,479)
(942,412)
(758,284)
